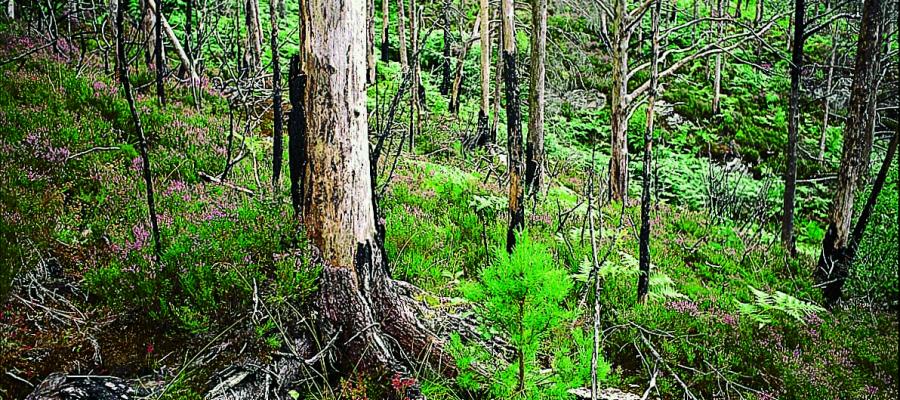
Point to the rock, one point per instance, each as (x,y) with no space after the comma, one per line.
(62,387)
(605,394)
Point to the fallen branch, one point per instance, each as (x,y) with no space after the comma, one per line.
(212,179)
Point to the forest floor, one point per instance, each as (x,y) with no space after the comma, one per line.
(728,314)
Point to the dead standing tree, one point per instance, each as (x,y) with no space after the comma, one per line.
(514,146)
(619,20)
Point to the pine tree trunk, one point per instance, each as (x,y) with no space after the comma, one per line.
(644,238)
(385,29)
(445,64)
(482,131)
(618,163)
(513,126)
(534,152)
(357,300)
(401,32)
(277,117)
(254,35)
(790,174)
(717,72)
(370,41)
(158,55)
(834,263)
(297,160)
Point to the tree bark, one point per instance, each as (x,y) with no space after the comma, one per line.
(445,64)
(173,40)
(370,41)
(513,126)
(534,152)
(401,32)
(834,262)
(618,167)
(277,117)
(790,173)
(254,35)
(158,56)
(456,87)
(482,131)
(717,73)
(644,239)
(829,84)
(11,9)
(358,302)
(416,95)
(385,29)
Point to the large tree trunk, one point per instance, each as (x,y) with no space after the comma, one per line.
(644,245)
(513,125)
(385,29)
(357,301)
(790,173)
(834,262)
(618,163)
(296,133)
(277,117)
(254,35)
(534,152)
(482,134)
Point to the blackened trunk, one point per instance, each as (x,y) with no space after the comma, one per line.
(445,67)
(385,29)
(296,134)
(139,130)
(513,127)
(834,263)
(158,56)
(644,239)
(790,173)
(534,151)
(277,117)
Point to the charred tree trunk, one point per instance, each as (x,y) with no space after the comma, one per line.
(498,83)
(358,302)
(834,262)
(513,126)
(534,152)
(445,65)
(790,173)
(139,130)
(158,55)
(297,134)
(385,29)
(401,33)
(482,135)
(277,117)
(254,35)
(644,239)
(618,163)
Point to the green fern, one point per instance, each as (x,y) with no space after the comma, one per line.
(767,305)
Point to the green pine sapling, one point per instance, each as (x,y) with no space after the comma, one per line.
(522,296)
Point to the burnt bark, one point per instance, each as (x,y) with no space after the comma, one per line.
(358,302)
(534,152)
(513,127)
(296,134)
(834,262)
(790,173)
(158,55)
(644,237)
(482,132)
(254,35)
(445,64)
(385,29)
(277,117)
